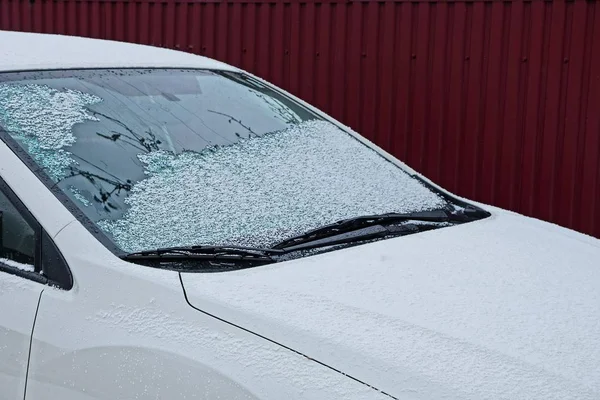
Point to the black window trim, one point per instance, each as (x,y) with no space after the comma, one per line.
(50,268)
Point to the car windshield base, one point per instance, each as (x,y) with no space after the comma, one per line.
(345,233)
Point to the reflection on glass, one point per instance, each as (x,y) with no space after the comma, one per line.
(177,157)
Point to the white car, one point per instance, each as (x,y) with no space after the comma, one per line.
(175,228)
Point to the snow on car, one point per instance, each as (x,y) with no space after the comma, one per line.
(172,227)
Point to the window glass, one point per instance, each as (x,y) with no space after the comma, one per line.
(17,237)
(163,158)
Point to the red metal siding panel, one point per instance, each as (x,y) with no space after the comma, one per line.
(498,101)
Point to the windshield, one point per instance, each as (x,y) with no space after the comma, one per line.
(163,158)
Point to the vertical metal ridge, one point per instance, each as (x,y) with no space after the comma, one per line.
(432,70)
(523,103)
(313,10)
(369,68)
(197,42)
(279,58)
(403,83)
(553,117)
(222,29)
(327,57)
(500,135)
(473,104)
(483,126)
(462,170)
(435,75)
(353,78)
(14,15)
(419,96)
(287,45)
(512,107)
(393,86)
(377,68)
(558,186)
(571,131)
(308,54)
(60,15)
(533,59)
(246,37)
(437,152)
(593,130)
(24,13)
(337,87)
(407,72)
(456,97)
(294,70)
(36,16)
(461,106)
(5,15)
(359,15)
(541,112)
(320,36)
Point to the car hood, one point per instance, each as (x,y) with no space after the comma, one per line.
(503,308)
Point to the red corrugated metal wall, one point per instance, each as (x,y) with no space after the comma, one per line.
(498,101)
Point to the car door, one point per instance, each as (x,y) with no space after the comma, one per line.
(21,285)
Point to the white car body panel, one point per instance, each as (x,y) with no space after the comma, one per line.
(26,52)
(145,342)
(19,297)
(503,308)
(18,304)
(484,310)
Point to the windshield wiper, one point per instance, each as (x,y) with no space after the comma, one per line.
(350,230)
(209,253)
(358,224)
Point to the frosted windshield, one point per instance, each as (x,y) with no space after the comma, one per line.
(161,158)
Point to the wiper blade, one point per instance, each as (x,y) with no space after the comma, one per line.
(210,253)
(355,224)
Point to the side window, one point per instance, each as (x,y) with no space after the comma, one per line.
(17,238)
(26,249)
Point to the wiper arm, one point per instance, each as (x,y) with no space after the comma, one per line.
(353,229)
(358,223)
(210,253)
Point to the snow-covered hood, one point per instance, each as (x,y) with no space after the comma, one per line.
(503,308)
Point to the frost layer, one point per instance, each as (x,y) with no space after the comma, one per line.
(262,189)
(42,119)
(21,266)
